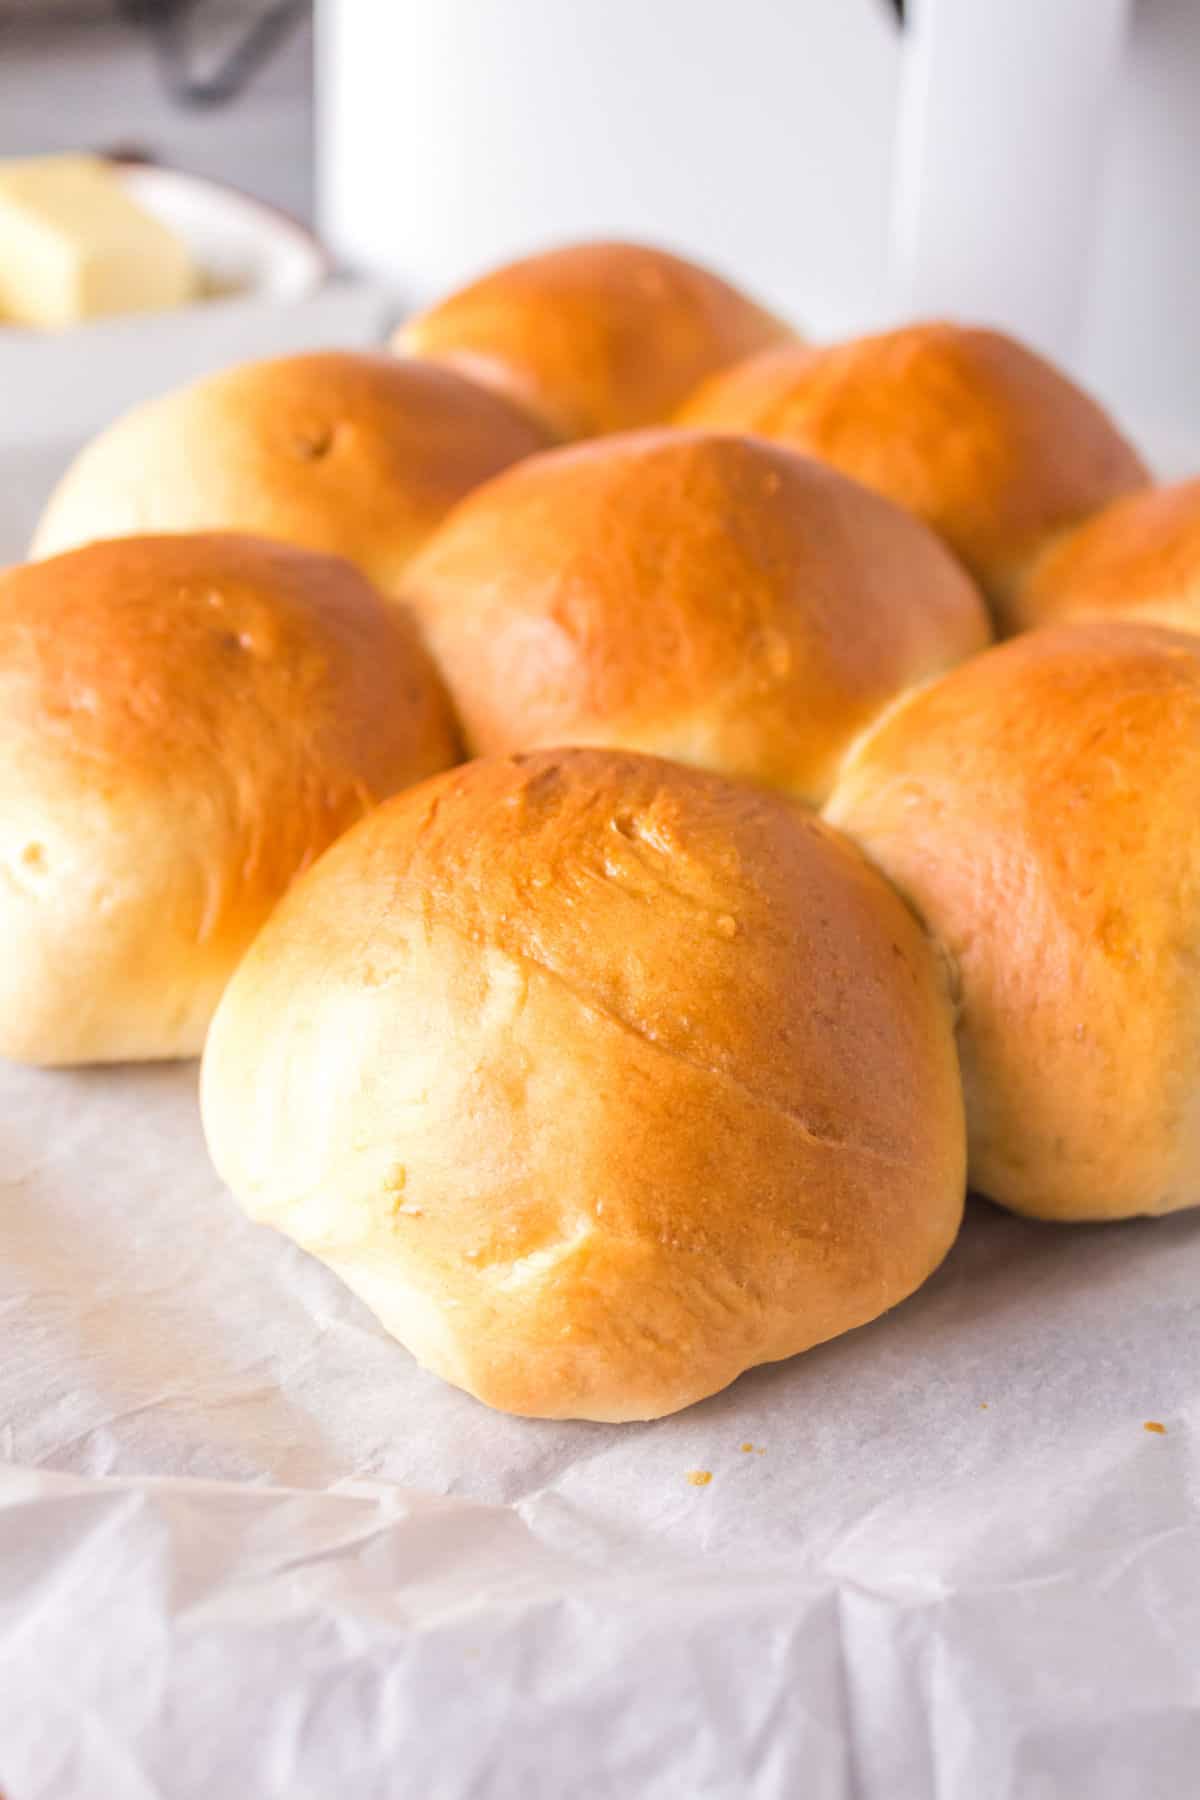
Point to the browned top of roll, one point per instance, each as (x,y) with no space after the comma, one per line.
(357,455)
(1138,559)
(984,440)
(1038,807)
(594,337)
(598,1078)
(715,599)
(185,723)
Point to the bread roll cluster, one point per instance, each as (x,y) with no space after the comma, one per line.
(601,1065)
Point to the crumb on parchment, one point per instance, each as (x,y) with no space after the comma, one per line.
(1155,1425)
(699,1477)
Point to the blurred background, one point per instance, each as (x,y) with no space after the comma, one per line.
(1026,162)
(105,74)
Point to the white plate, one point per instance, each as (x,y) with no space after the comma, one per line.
(241,245)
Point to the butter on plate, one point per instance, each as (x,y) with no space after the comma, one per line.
(74,245)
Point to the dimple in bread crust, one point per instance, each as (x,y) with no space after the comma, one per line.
(347,453)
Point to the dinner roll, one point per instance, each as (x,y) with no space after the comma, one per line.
(1138,559)
(357,455)
(594,337)
(714,599)
(185,722)
(598,1079)
(1038,806)
(981,438)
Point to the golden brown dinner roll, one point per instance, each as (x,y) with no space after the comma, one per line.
(981,438)
(357,455)
(1138,559)
(1039,807)
(594,337)
(714,599)
(185,722)
(599,1079)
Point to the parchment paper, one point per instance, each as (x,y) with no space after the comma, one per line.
(248,1549)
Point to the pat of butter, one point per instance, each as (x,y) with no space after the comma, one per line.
(74,245)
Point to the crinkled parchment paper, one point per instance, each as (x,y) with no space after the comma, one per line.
(248,1548)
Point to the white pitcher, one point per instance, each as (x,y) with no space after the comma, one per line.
(1025,162)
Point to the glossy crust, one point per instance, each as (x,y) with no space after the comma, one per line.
(980,437)
(594,337)
(185,722)
(599,1079)
(714,599)
(1138,559)
(1038,807)
(356,455)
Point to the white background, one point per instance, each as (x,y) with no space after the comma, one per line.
(757,132)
